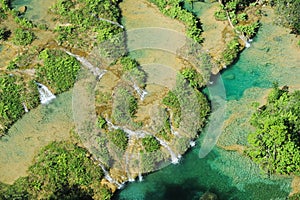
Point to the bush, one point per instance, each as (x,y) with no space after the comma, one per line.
(193,77)
(231,51)
(23,37)
(220,15)
(59,71)
(2,33)
(150,144)
(119,138)
(124,107)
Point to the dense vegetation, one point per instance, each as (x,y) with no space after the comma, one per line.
(119,138)
(175,10)
(230,54)
(14,93)
(62,170)
(289,13)
(150,144)
(132,71)
(59,70)
(23,37)
(84,20)
(124,106)
(275,145)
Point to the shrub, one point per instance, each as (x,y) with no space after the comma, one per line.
(23,37)
(59,71)
(150,144)
(231,52)
(119,138)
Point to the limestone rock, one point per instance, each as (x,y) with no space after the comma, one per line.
(22,9)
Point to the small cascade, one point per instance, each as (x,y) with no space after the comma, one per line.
(130,133)
(140,177)
(142,93)
(45,94)
(172,129)
(175,159)
(25,107)
(192,143)
(111,22)
(129,177)
(95,70)
(109,178)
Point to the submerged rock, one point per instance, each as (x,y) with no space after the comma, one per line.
(209,196)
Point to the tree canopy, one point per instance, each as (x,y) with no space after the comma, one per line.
(275,145)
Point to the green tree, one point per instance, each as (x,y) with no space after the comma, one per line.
(275,145)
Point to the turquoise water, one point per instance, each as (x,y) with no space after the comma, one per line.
(228,174)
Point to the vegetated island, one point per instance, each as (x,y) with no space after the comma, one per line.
(82,25)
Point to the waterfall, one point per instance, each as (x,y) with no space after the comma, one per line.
(45,94)
(25,107)
(192,143)
(140,177)
(95,70)
(111,22)
(142,93)
(141,134)
(174,158)
(109,178)
(130,133)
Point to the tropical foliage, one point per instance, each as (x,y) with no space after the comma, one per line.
(59,70)
(124,106)
(174,9)
(150,144)
(231,52)
(119,138)
(61,170)
(23,37)
(275,145)
(14,93)
(289,13)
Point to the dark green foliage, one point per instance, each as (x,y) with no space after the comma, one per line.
(85,20)
(193,77)
(249,30)
(289,12)
(61,170)
(275,145)
(25,23)
(3,15)
(150,144)
(5,4)
(17,191)
(119,138)
(12,94)
(231,52)
(220,15)
(172,102)
(133,72)
(4,33)
(59,70)
(174,9)
(101,122)
(128,63)
(124,107)
(23,37)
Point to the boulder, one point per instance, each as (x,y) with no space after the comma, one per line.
(209,196)
(22,9)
